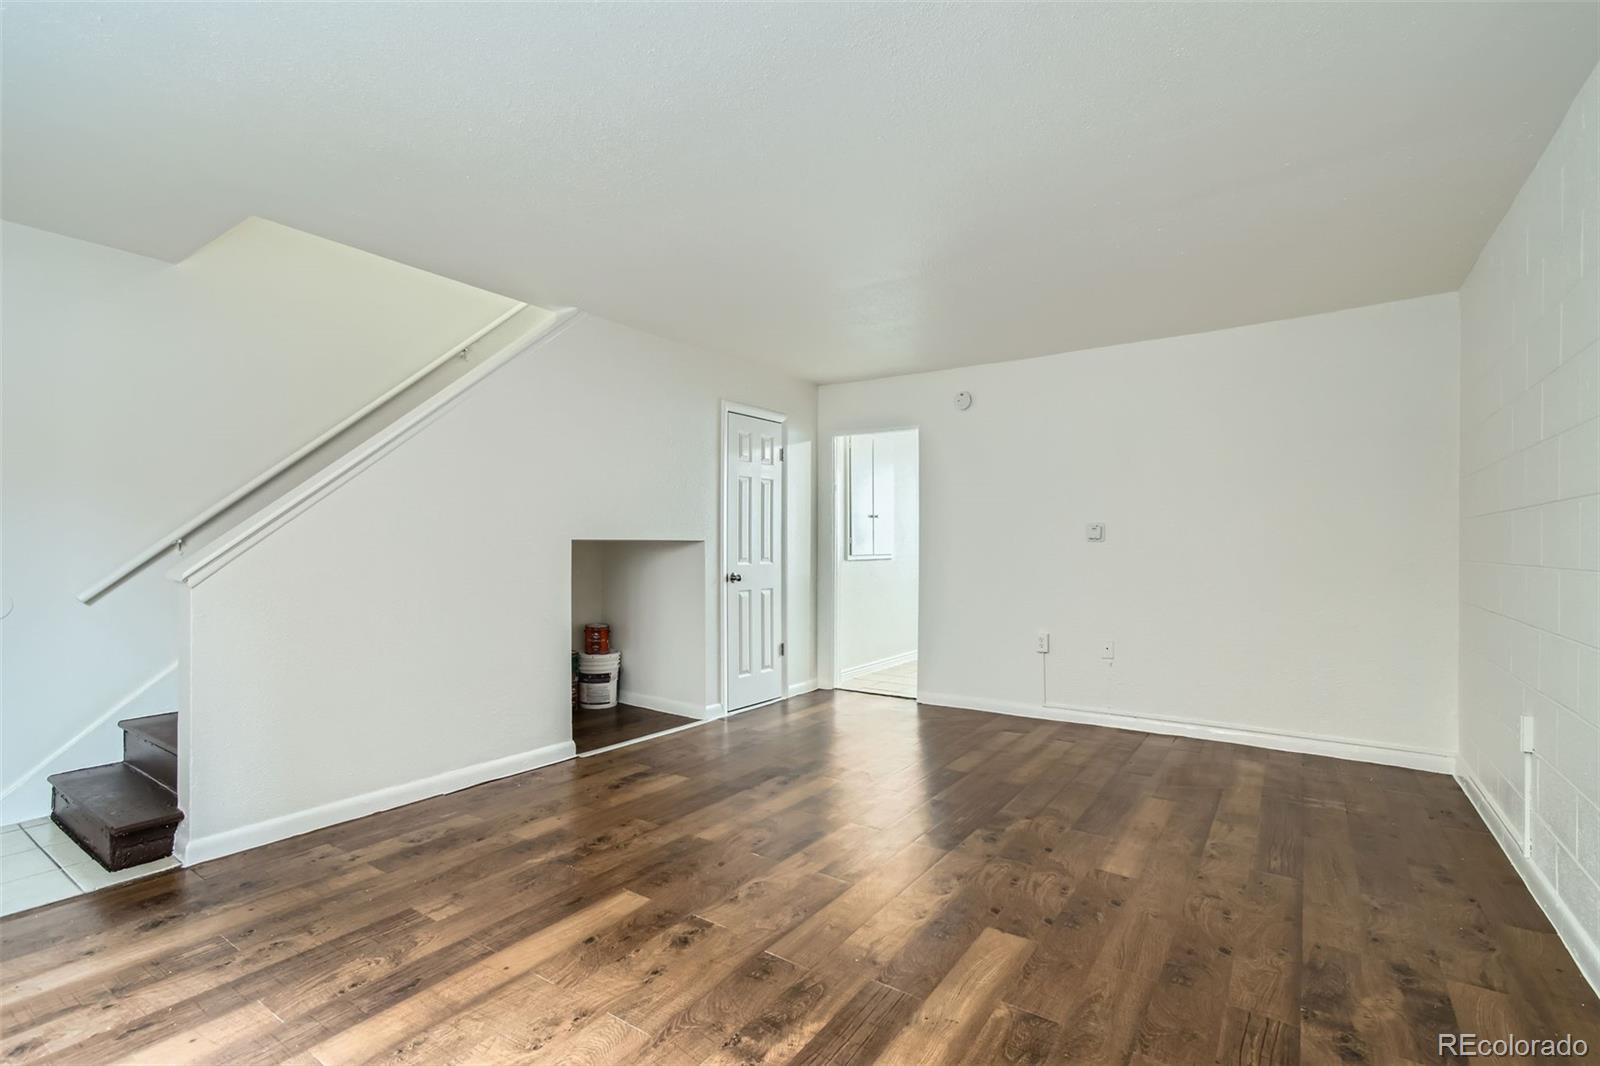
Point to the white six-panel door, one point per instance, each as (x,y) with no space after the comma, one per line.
(752,548)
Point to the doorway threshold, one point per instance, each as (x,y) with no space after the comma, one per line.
(899,680)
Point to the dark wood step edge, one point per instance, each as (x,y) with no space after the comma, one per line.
(164,818)
(135,726)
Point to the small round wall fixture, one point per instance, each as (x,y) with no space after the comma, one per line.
(963,400)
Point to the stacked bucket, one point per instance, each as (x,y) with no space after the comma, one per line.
(598,669)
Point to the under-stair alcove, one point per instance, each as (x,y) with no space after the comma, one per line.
(652,596)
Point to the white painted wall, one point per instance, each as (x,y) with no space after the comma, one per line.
(409,632)
(877,617)
(63,511)
(137,394)
(650,593)
(1280,502)
(657,613)
(588,586)
(1530,522)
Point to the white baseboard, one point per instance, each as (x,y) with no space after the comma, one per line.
(1441,762)
(713,710)
(800,688)
(683,708)
(1585,952)
(216,845)
(878,664)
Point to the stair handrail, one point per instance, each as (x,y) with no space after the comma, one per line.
(235,542)
(173,541)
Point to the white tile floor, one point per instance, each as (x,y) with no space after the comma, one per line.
(40,864)
(892,681)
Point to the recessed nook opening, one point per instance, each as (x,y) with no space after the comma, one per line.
(652,595)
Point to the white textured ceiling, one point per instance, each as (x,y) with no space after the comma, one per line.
(846,190)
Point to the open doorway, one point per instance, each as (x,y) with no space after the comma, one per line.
(875,600)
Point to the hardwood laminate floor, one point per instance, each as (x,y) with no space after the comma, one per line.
(834,879)
(593,729)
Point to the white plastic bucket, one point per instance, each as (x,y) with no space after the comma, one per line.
(597,680)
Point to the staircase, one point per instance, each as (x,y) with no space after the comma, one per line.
(125,813)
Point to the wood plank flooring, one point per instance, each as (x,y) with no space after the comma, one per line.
(835,879)
(594,729)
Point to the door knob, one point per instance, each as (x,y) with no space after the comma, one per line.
(735,577)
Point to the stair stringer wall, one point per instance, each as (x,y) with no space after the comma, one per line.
(406,630)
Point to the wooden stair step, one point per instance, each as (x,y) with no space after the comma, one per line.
(116,813)
(150,745)
(160,730)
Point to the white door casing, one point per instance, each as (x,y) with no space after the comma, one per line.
(752,556)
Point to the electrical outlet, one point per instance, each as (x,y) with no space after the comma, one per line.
(1108,650)
(1041,643)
